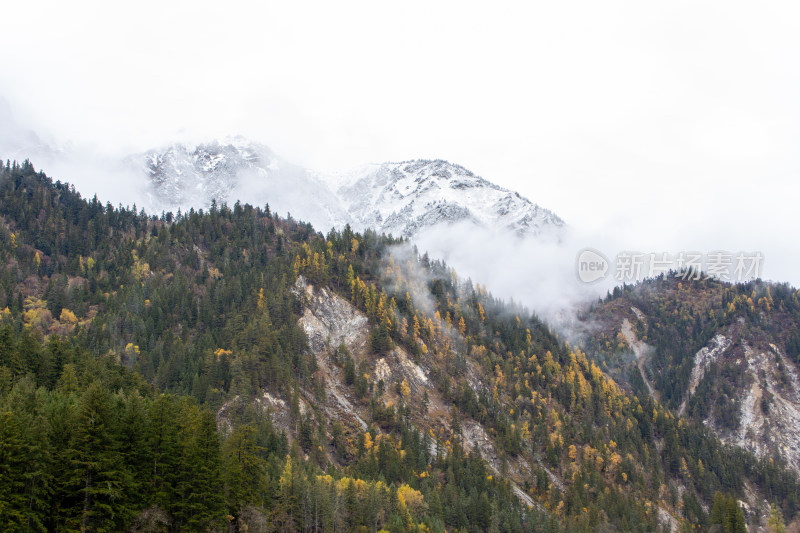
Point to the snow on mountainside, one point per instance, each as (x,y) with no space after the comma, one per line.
(185,176)
(192,176)
(399,198)
(408,197)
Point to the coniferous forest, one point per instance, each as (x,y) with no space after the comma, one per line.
(133,347)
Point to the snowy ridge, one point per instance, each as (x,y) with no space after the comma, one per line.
(407,197)
(398,198)
(185,176)
(192,176)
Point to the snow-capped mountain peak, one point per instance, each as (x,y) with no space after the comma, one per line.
(403,198)
(186,176)
(181,176)
(407,197)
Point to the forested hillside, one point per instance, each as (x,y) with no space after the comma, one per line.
(135,350)
(722,354)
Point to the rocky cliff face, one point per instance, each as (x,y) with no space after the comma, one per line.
(740,382)
(332,324)
(767,396)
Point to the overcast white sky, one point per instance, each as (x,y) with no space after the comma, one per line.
(671,125)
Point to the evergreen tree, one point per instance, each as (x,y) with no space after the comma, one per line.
(98,474)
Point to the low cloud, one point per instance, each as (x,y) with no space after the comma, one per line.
(539,273)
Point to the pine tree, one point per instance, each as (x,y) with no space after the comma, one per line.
(734,517)
(245,469)
(200,485)
(163,448)
(287,510)
(24,479)
(97,469)
(775,522)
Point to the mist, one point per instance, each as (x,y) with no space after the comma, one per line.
(539,273)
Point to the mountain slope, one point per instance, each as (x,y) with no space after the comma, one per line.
(474,410)
(156,324)
(723,355)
